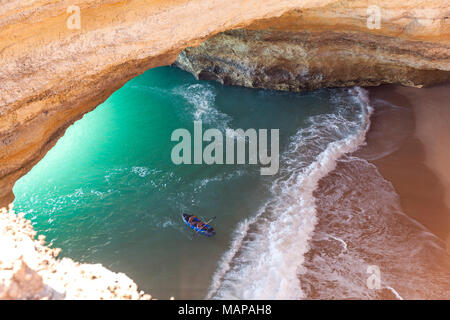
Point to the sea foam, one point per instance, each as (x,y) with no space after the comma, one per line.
(267,250)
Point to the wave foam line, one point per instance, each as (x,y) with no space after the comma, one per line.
(267,251)
(396,294)
(201,98)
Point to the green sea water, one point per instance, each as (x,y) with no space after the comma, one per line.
(109,193)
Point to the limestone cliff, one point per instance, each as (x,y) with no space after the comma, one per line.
(29,269)
(50,74)
(297,52)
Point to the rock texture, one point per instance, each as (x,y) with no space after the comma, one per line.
(297,53)
(29,269)
(50,75)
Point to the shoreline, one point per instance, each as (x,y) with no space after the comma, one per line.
(416,161)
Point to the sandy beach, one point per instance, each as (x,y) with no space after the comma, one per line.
(416,158)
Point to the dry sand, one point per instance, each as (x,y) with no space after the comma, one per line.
(418,136)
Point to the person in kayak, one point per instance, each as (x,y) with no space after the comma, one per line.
(200,225)
(191,219)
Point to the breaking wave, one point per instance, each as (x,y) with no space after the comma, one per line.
(267,251)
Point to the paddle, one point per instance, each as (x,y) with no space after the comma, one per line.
(206,224)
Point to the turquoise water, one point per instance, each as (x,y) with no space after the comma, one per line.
(109,193)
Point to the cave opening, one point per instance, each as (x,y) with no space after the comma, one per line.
(108,192)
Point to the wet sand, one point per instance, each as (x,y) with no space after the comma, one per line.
(409,142)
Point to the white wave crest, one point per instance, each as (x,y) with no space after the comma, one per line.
(267,251)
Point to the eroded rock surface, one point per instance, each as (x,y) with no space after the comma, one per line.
(50,75)
(297,53)
(29,269)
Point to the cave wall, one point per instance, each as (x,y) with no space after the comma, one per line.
(309,60)
(51,74)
